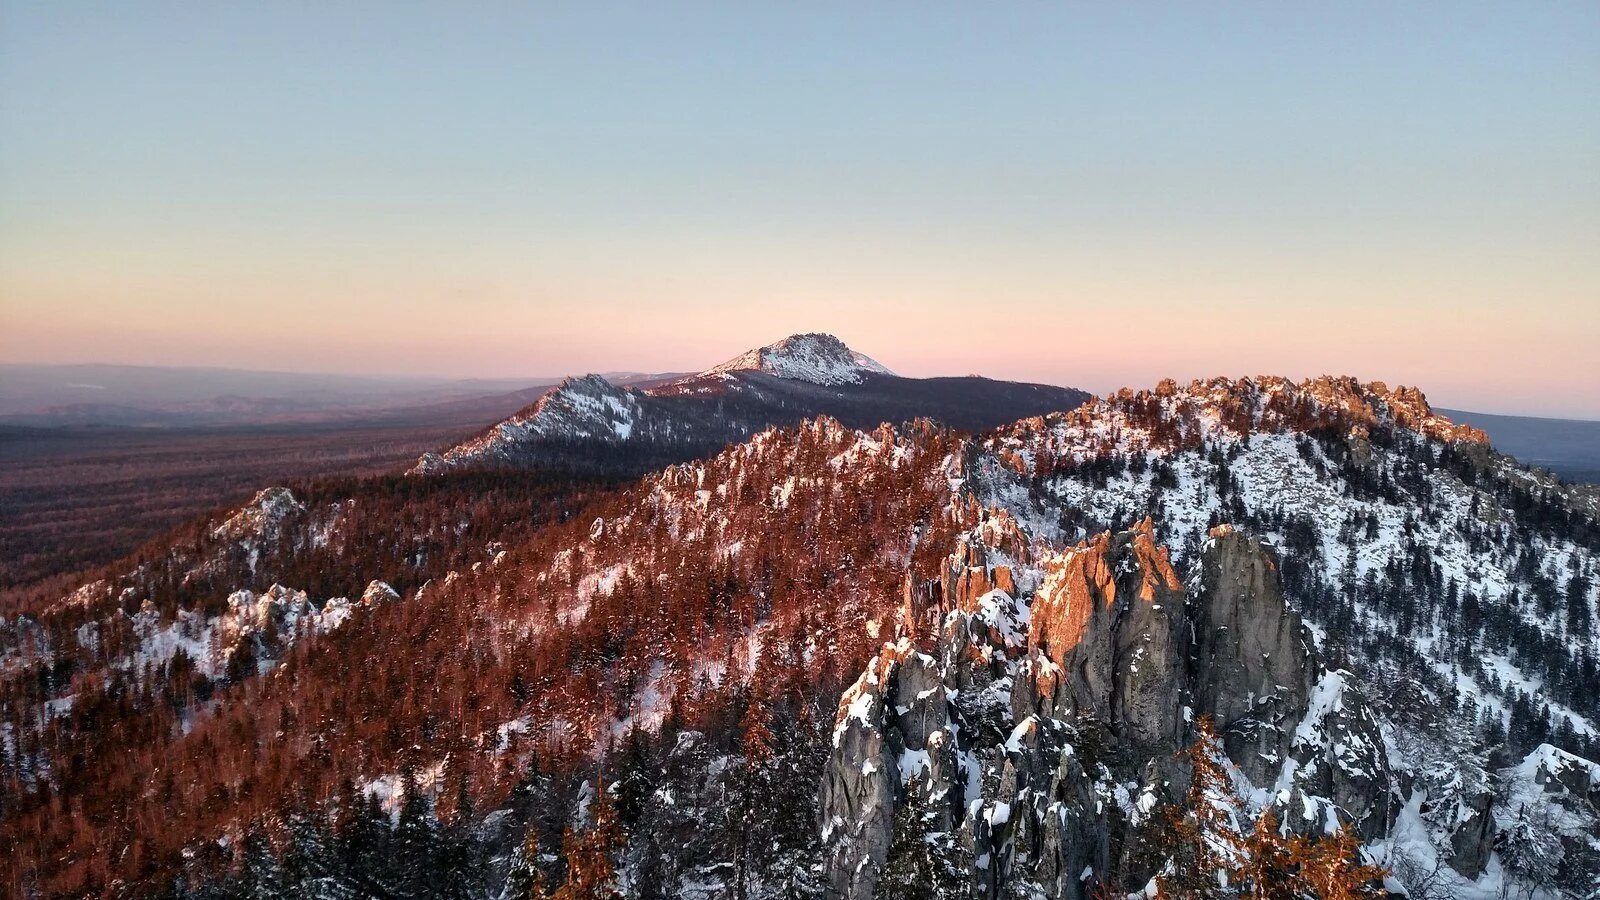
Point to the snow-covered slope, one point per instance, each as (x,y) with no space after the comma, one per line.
(1403,532)
(1450,595)
(817,358)
(578,409)
(1393,627)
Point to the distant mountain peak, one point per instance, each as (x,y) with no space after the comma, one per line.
(672,419)
(818,358)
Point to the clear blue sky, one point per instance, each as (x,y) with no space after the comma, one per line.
(1093,194)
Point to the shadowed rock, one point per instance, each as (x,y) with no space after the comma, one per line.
(1251,660)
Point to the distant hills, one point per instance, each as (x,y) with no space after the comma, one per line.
(1568,447)
(76,396)
(116,396)
(592,421)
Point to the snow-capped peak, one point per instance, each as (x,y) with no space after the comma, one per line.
(817,358)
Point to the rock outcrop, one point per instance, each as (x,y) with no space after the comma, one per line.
(1548,816)
(1473,840)
(1044,730)
(1046,828)
(894,717)
(1106,640)
(1251,667)
(1338,771)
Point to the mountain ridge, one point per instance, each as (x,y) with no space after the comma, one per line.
(1447,594)
(777,384)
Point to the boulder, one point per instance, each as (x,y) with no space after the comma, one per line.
(1473,839)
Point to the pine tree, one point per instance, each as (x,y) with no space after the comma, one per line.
(590,875)
(750,825)
(524,881)
(458,857)
(1267,872)
(416,845)
(1330,869)
(261,877)
(1204,845)
(636,780)
(307,860)
(364,845)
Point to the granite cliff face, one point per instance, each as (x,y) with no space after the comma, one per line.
(1051,762)
(1107,641)
(1250,665)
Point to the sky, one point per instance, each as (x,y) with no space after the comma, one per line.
(1086,194)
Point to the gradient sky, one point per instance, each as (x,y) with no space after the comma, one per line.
(1095,195)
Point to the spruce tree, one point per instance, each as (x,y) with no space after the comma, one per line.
(752,825)
(415,857)
(923,863)
(262,877)
(524,881)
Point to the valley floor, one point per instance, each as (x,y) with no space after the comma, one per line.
(74,499)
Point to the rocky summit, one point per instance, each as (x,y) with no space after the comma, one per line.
(1038,788)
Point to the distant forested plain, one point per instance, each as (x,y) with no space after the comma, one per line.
(75,498)
(1568,447)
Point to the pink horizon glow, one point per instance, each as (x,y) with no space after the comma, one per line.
(1462,362)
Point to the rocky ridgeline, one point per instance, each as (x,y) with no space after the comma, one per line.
(586,408)
(1174,417)
(1046,759)
(588,423)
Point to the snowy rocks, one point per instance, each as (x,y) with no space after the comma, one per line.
(1552,772)
(1548,816)
(861,782)
(966,578)
(1046,731)
(1046,827)
(972,576)
(378,592)
(1473,838)
(911,723)
(587,408)
(1338,769)
(338,610)
(1316,738)
(261,518)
